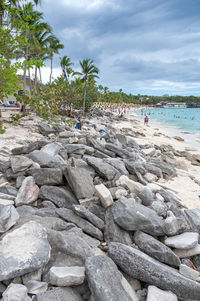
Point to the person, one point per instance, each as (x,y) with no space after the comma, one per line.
(78,125)
(146,120)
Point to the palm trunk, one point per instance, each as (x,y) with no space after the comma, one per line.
(40,75)
(35,88)
(51,68)
(84,99)
(30,82)
(1,14)
(25,68)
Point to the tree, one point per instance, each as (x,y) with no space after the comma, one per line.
(67,64)
(54,46)
(89,72)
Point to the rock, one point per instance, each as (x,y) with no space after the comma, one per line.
(33,276)
(149,151)
(132,216)
(51,149)
(99,271)
(182,253)
(20,163)
(59,294)
(60,196)
(151,168)
(113,232)
(166,168)
(26,149)
(46,176)
(105,170)
(143,192)
(141,266)
(188,272)
(187,240)
(118,192)
(178,138)
(16,292)
(23,250)
(85,213)
(45,130)
(117,149)
(80,180)
(7,189)
(160,208)
(19,181)
(66,134)
(28,192)
(35,287)
(174,225)
(67,276)
(193,216)
(87,227)
(117,164)
(8,217)
(104,194)
(156,294)
(45,160)
(156,249)
(149,177)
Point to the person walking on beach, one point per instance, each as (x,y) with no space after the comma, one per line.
(146,120)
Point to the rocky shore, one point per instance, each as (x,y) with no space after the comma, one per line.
(91,216)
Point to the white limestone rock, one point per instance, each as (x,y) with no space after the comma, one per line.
(67,276)
(186,240)
(104,194)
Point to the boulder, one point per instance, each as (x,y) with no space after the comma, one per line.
(28,192)
(67,276)
(35,287)
(45,130)
(99,272)
(187,240)
(85,213)
(20,163)
(193,217)
(132,216)
(104,194)
(105,170)
(59,294)
(16,292)
(182,253)
(26,149)
(174,225)
(46,160)
(117,164)
(23,250)
(156,249)
(156,294)
(143,267)
(79,179)
(8,217)
(51,149)
(60,196)
(46,176)
(188,272)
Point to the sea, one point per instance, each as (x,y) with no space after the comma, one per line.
(185,119)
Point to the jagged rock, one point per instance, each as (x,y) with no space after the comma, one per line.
(117,149)
(187,240)
(87,227)
(156,170)
(149,151)
(117,164)
(79,179)
(85,213)
(132,216)
(45,130)
(60,294)
(46,176)
(141,266)
(35,287)
(156,294)
(51,149)
(46,160)
(99,271)
(20,163)
(19,181)
(26,149)
(67,276)
(66,134)
(4,165)
(95,144)
(23,250)
(193,216)
(156,249)
(113,232)
(27,193)
(60,196)
(104,194)
(174,225)
(118,192)
(33,276)
(16,292)
(8,217)
(166,168)
(188,272)
(171,198)
(104,169)
(149,177)
(160,208)
(182,253)
(7,189)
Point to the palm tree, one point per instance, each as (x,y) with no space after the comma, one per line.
(66,64)
(54,46)
(100,87)
(89,72)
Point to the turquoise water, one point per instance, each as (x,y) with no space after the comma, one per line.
(186,119)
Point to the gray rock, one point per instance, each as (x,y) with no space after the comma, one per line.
(117,149)
(132,216)
(141,266)
(118,192)
(113,232)
(28,192)
(99,271)
(16,292)
(134,167)
(156,249)
(60,196)
(85,213)
(156,170)
(193,216)
(104,194)
(104,169)
(23,250)
(182,253)
(51,149)
(20,163)
(26,149)
(7,189)
(45,130)
(87,227)
(19,181)
(59,294)
(67,276)
(156,294)
(35,287)
(10,175)
(4,165)
(8,217)
(92,142)
(45,160)
(188,272)
(166,168)
(187,240)
(160,208)
(174,225)
(46,176)
(79,179)
(117,164)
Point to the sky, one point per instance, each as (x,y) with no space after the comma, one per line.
(140,46)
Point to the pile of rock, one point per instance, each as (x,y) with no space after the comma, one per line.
(80,219)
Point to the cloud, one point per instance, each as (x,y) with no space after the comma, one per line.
(145,46)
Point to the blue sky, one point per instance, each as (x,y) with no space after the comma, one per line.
(145,46)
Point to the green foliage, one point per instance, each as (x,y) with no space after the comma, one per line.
(2,128)
(15,123)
